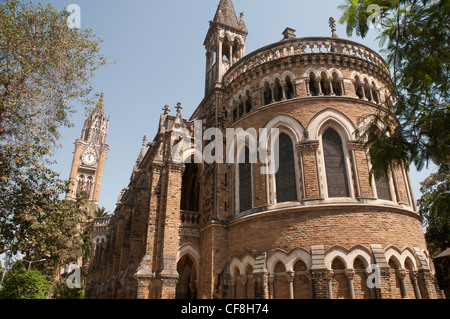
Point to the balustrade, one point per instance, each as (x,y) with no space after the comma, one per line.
(303,46)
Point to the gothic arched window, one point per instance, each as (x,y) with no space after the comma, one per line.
(383,189)
(80,184)
(335,164)
(290,91)
(245,183)
(314,85)
(267,95)
(285,176)
(190,188)
(89,185)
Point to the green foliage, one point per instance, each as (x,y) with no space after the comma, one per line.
(434,206)
(415,36)
(66,292)
(23,284)
(416,128)
(45,67)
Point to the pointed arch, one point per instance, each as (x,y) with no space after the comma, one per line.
(290,133)
(331,115)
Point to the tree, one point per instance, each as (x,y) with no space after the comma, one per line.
(415,37)
(23,284)
(434,201)
(101,212)
(45,67)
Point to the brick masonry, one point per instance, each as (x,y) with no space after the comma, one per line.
(315,247)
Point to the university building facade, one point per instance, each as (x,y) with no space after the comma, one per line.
(318,227)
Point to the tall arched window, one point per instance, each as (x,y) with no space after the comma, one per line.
(383,189)
(190,188)
(314,85)
(285,176)
(80,184)
(278,91)
(267,95)
(382,182)
(290,90)
(335,164)
(245,183)
(89,185)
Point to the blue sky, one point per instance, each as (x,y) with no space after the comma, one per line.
(160,59)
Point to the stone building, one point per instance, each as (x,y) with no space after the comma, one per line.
(318,227)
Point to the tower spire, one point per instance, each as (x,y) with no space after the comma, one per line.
(226,16)
(225,39)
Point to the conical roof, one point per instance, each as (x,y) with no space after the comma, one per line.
(226,16)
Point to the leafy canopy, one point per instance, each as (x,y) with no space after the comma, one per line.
(415,36)
(45,67)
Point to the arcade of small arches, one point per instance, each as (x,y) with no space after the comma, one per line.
(289,275)
(321,82)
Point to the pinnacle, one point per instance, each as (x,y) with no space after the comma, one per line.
(226,15)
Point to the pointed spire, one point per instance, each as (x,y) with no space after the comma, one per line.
(178,108)
(100,103)
(226,16)
(166,109)
(142,152)
(242,23)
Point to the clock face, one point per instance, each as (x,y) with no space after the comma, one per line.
(89,159)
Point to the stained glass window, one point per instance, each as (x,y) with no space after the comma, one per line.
(335,164)
(245,183)
(383,189)
(285,176)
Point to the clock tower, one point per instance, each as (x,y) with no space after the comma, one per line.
(90,155)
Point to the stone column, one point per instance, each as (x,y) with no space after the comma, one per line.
(414,275)
(272,92)
(401,273)
(283,91)
(231,55)
(271,280)
(233,288)
(243,279)
(290,277)
(308,92)
(219,59)
(329,277)
(350,275)
(341,84)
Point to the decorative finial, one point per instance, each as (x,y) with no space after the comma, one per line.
(241,15)
(100,101)
(144,140)
(178,108)
(166,109)
(332,24)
